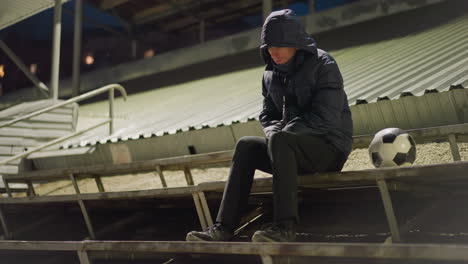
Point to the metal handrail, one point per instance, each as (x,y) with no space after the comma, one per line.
(110,120)
(79,98)
(51,143)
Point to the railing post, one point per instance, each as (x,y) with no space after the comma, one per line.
(54,78)
(111,111)
(42,87)
(69,101)
(84,211)
(454,147)
(7,188)
(390,213)
(77,47)
(6,232)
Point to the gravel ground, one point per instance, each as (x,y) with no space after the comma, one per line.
(429,153)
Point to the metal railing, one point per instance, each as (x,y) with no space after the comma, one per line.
(108,88)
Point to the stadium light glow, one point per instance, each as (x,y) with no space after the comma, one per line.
(2,70)
(89,59)
(33,68)
(148,53)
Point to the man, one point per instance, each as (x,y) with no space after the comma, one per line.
(307,123)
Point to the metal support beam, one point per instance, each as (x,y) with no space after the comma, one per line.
(202,30)
(454,147)
(311,6)
(266,259)
(206,209)
(203,210)
(54,78)
(84,211)
(31,191)
(201,215)
(188,176)
(99,184)
(77,47)
(387,202)
(7,187)
(111,111)
(267,7)
(161,176)
(42,87)
(6,232)
(84,258)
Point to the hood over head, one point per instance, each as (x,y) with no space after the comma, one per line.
(283,29)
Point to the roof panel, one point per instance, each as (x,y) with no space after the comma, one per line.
(412,64)
(428,61)
(13,11)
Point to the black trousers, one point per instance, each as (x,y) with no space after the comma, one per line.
(285,155)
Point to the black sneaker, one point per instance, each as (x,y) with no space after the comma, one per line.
(217,232)
(276,232)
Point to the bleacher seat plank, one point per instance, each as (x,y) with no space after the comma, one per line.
(141,194)
(437,172)
(32,133)
(42,125)
(133,167)
(423,173)
(400,252)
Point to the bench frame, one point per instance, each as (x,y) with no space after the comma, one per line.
(185,163)
(385,179)
(88,250)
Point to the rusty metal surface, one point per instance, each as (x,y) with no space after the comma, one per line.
(132,167)
(422,174)
(357,250)
(175,192)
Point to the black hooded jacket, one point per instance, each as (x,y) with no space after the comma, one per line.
(308,97)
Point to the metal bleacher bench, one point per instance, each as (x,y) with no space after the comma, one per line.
(399,253)
(386,179)
(406,178)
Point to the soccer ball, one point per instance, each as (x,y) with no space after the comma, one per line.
(392,147)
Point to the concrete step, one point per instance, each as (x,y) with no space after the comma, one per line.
(8,169)
(32,133)
(14,162)
(20,142)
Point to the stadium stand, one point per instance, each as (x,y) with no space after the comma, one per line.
(391,204)
(408,178)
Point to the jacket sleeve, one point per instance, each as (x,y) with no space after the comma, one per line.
(270,117)
(324,110)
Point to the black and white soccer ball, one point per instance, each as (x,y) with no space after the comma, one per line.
(392,147)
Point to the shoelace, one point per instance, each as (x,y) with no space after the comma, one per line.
(213,227)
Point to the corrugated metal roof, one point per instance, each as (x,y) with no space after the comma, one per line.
(13,11)
(430,61)
(413,65)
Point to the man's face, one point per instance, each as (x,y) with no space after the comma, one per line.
(281,55)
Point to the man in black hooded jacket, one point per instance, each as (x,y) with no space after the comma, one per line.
(307,123)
